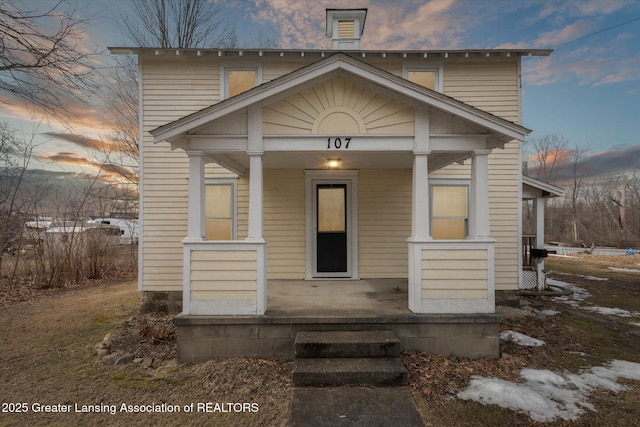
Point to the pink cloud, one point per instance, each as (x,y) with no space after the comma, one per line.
(389,25)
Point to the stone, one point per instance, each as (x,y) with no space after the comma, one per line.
(110,359)
(147,362)
(103,352)
(138,360)
(123,360)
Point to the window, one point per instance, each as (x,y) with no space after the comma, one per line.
(449,211)
(239,76)
(239,81)
(428,74)
(220,209)
(426,78)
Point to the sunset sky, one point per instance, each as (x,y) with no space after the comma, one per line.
(588,90)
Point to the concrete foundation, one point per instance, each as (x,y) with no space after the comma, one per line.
(161,302)
(202,338)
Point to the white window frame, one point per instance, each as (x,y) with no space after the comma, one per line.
(234,200)
(450,183)
(227,66)
(425,66)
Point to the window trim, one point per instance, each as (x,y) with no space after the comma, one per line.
(226,66)
(234,201)
(450,183)
(425,66)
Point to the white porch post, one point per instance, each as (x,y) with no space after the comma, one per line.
(420,213)
(538,227)
(255,197)
(195,219)
(479,195)
(255,228)
(420,227)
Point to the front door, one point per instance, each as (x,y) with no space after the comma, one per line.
(331,229)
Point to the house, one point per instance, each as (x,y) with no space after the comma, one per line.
(324,170)
(128,228)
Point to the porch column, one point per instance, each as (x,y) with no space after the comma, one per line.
(420,227)
(538,228)
(255,197)
(196,213)
(479,195)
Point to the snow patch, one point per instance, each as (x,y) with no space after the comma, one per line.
(626,270)
(578,294)
(547,395)
(607,311)
(520,339)
(549,312)
(634,323)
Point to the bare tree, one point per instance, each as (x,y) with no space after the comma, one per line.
(177,24)
(546,152)
(39,66)
(577,172)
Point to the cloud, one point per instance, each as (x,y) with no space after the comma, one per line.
(82,141)
(106,172)
(617,161)
(389,25)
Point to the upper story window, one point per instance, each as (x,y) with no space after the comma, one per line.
(427,75)
(239,78)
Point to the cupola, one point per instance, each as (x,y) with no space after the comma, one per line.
(345,27)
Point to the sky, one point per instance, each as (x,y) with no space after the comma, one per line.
(587,91)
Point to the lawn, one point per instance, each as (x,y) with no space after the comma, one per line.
(49,357)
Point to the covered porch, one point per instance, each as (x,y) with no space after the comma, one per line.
(302,305)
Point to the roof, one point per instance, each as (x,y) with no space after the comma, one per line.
(548,190)
(501,130)
(321,53)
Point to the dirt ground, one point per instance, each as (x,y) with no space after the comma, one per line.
(49,357)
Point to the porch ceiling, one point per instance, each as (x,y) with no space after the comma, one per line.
(348,160)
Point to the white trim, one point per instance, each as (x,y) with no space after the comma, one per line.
(248,65)
(234,200)
(436,66)
(349,177)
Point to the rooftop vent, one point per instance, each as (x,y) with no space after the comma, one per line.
(345,27)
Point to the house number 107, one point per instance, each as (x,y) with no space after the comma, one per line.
(337,143)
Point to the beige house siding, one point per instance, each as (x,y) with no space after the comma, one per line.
(170,90)
(493,86)
(384,222)
(175,87)
(454,274)
(284,223)
(223,275)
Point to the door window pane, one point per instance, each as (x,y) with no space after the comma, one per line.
(331,210)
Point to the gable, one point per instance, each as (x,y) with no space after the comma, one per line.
(337,105)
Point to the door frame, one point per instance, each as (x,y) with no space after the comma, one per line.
(312,179)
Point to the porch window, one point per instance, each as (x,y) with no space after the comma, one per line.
(240,80)
(449,211)
(220,210)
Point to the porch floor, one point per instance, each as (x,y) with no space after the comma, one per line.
(337,298)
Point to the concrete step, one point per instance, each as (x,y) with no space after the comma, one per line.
(335,372)
(311,345)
